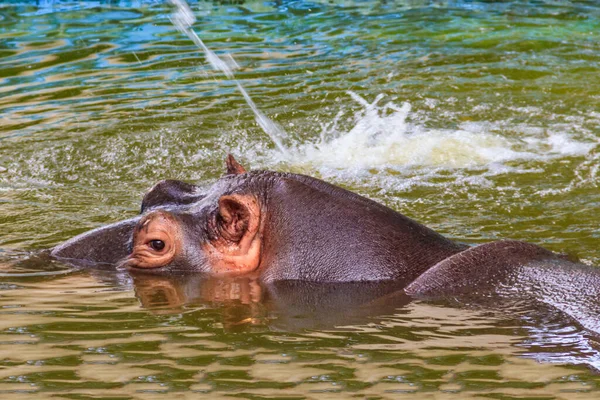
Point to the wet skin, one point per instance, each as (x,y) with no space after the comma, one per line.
(273,227)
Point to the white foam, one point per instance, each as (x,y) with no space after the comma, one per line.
(383,137)
(563,144)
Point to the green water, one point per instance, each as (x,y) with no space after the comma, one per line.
(491,130)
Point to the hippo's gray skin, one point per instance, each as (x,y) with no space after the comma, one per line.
(285,227)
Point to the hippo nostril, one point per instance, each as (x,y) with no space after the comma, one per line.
(157,245)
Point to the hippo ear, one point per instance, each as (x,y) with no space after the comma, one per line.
(239,240)
(233,167)
(239,216)
(170,192)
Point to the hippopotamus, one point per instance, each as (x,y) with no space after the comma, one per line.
(277,226)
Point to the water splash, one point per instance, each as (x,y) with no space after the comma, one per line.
(586,174)
(382,137)
(183,18)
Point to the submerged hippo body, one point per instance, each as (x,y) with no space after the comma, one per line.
(280,226)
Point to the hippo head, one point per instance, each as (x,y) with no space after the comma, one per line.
(181,228)
(217,232)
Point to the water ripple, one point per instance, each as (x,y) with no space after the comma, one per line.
(478,119)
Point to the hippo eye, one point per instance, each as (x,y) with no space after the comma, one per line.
(157,245)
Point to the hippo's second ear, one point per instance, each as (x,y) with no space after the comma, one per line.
(105,245)
(170,192)
(233,167)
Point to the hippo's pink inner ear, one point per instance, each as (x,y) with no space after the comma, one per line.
(238,214)
(233,167)
(237,248)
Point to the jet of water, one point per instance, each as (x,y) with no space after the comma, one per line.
(183,18)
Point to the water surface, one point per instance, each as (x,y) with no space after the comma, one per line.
(478,119)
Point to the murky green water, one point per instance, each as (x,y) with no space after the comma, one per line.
(481,120)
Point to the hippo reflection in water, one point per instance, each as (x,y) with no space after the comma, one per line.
(275,227)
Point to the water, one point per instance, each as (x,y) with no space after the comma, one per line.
(183,18)
(478,119)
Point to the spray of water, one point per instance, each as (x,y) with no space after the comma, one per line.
(183,18)
(383,138)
